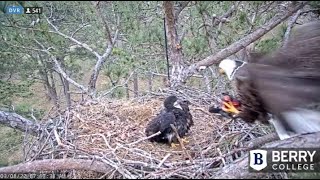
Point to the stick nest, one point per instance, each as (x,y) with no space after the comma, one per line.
(112,132)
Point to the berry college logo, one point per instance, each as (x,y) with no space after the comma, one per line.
(258,159)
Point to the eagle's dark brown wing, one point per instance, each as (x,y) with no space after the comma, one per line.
(293,97)
(161,123)
(285,84)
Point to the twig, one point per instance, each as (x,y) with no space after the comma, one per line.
(164,159)
(181,143)
(145,138)
(57,137)
(113,88)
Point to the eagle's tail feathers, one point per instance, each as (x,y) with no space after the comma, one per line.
(301,121)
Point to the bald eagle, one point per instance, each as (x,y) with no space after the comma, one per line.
(282,87)
(176,113)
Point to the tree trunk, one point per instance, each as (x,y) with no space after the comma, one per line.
(175,50)
(150,79)
(66,89)
(127,91)
(135,84)
(16,121)
(53,90)
(65,84)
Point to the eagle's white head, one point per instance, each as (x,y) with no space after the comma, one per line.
(229,67)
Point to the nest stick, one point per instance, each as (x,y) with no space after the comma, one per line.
(181,143)
(57,137)
(164,159)
(145,138)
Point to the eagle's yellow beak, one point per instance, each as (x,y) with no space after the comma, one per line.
(221,71)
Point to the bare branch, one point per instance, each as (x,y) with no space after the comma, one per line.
(181,143)
(183,5)
(113,88)
(102,59)
(16,121)
(222,18)
(78,29)
(291,22)
(145,138)
(27,48)
(237,46)
(60,70)
(84,45)
(106,27)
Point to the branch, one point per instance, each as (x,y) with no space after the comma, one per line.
(110,42)
(56,164)
(216,21)
(16,121)
(183,5)
(84,45)
(106,27)
(291,22)
(59,68)
(78,29)
(113,88)
(239,169)
(257,142)
(242,43)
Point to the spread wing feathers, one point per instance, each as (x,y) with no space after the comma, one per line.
(286,84)
(252,107)
(292,96)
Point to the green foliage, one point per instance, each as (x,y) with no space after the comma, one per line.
(9,90)
(25,110)
(196,45)
(3,5)
(314,4)
(268,45)
(119,92)
(119,68)
(10,144)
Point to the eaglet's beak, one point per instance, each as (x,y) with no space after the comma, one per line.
(177,105)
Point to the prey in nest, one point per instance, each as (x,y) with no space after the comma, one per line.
(176,113)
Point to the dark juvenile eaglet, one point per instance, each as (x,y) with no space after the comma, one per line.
(282,87)
(176,113)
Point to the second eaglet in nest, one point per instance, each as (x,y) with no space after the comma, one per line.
(176,113)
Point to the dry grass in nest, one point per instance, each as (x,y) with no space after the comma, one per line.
(113,133)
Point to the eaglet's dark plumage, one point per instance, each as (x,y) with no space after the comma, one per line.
(283,86)
(176,113)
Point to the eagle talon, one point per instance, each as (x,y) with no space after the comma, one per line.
(230,108)
(185,140)
(174,145)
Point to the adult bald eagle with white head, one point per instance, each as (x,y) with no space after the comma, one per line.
(282,87)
